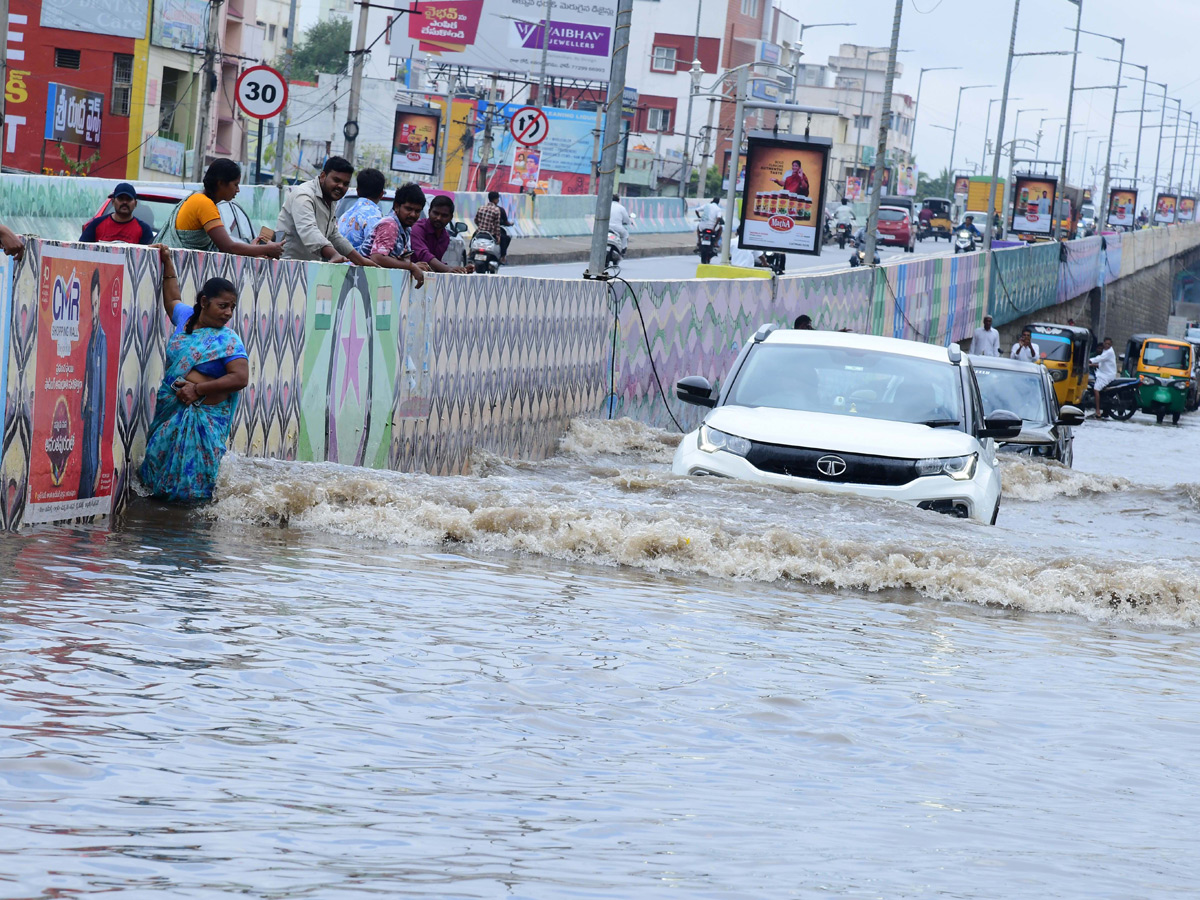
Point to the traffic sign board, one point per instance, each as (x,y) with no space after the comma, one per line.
(261,92)
(529,125)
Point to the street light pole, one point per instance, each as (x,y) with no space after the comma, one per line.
(612,137)
(862,105)
(1174,143)
(881,146)
(987,128)
(1070,103)
(957,109)
(991,212)
(694,72)
(1162,124)
(917,110)
(1103,205)
(739,114)
(1012,147)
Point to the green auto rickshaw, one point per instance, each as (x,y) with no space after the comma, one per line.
(1163,367)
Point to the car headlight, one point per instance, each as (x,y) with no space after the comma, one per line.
(960,468)
(1058,375)
(712,440)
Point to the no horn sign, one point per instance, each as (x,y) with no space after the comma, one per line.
(529,126)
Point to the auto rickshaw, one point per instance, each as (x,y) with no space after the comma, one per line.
(1193,402)
(1064,350)
(941,225)
(1163,366)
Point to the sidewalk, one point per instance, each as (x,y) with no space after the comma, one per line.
(539,251)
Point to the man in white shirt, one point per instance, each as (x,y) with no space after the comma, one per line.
(620,222)
(1106,370)
(747,259)
(844,214)
(1025,349)
(710,214)
(986,340)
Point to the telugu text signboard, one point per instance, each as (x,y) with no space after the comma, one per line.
(1034,202)
(414,141)
(71,472)
(73,115)
(783,200)
(508,36)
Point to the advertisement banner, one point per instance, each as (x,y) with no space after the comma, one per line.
(414,140)
(854,188)
(567,148)
(741,182)
(73,115)
(179,24)
(906,181)
(1164,209)
(1122,207)
(75,401)
(118,18)
(508,36)
(1033,212)
(962,185)
(526,165)
(1187,210)
(163,155)
(783,200)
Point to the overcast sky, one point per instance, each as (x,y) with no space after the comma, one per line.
(974,34)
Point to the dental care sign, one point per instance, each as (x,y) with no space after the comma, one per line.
(71,472)
(784,195)
(508,35)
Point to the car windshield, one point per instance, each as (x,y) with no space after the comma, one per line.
(1017,392)
(892,215)
(1166,356)
(153,212)
(847,381)
(1053,346)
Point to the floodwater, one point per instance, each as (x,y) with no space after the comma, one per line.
(584,678)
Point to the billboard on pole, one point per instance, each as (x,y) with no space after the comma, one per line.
(783,200)
(1033,210)
(414,141)
(508,36)
(1187,210)
(1164,209)
(1122,207)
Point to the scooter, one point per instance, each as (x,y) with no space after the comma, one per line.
(858,256)
(708,242)
(843,234)
(964,241)
(1119,398)
(485,253)
(614,254)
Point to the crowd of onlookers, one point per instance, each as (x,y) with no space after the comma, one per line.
(308,227)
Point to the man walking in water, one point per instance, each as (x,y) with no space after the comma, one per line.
(1106,370)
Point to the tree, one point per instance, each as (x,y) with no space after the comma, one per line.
(321,49)
(942,186)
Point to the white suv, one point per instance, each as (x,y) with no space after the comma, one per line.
(851,414)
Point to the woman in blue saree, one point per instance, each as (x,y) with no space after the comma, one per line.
(206,367)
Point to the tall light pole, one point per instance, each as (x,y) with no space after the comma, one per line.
(686,177)
(917,111)
(881,145)
(987,128)
(1041,124)
(1137,159)
(1012,148)
(957,109)
(1070,103)
(1162,124)
(1174,141)
(991,212)
(1112,125)
(612,138)
(862,103)
(799,52)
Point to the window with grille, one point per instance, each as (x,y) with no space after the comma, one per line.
(750,8)
(66,59)
(658,120)
(663,59)
(862,121)
(122,83)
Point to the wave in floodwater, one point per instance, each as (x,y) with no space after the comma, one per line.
(1037,480)
(611,500)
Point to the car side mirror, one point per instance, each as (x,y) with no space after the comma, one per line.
(1070,415)
(458,227)
(1002,425)
(697,390)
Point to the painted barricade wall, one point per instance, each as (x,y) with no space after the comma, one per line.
(1024,279)
(466,203)
(561,215)
(659,215)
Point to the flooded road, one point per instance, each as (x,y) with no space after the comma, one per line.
(587,678)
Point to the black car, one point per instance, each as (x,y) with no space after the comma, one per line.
(1027,389)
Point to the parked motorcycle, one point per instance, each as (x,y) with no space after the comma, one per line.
(485,253)
(964,241)
(1119,398)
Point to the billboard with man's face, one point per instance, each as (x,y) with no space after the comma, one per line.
(1164,209)
(1187,210)
(1033,212)
(1122,207)
(783,201)
(414,141)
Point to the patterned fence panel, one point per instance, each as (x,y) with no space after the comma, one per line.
(1024,279)
(1082,268)
(659,215)
(935,301)
(835,301)
(562,215)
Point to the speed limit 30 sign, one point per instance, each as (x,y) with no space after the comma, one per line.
(261,92)
(529,125)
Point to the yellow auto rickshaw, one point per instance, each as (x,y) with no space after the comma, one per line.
(1163,366)
(941,225)
(1064,350)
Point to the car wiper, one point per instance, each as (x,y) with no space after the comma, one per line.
(941,423)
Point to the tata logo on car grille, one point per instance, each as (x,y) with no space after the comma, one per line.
(831,466)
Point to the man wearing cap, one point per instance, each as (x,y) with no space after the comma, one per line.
(120,224)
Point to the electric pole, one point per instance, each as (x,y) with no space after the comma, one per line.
(207,86)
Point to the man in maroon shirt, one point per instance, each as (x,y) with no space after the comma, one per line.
(119,224)
(430,238)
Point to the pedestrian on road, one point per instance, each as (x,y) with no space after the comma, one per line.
(195,223)
(430,239)
(986,340)
(365,214)
(307,223)
(119,224)
(491,218)
(389,244)
(1025,349)
(1106,370)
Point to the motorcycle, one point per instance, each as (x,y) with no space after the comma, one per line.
(485,253)
(708,242)
(614,254)
(964,241)
(776,262)
(843,234)
(1119,398)
(858,256)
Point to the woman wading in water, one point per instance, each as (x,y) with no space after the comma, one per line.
(206,367)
